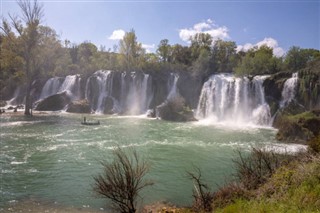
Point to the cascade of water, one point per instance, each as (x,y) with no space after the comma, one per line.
(289,90)
(15,99)
(98,88)
(172,86)
(51,87)
(147,96)
(68,84)
(225,98)
(139,95)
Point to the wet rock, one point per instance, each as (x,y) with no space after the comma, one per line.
(54,103)
(175,110)
(79,106)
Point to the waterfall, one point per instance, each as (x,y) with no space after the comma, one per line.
(289,90)
(98,89)
(51,87)
(172,86)
(16,99)
(69,84)
(225,98)
(135,94)
(139,96)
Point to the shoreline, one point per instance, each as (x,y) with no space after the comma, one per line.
(35,205)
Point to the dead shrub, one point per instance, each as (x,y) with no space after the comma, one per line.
(122,180)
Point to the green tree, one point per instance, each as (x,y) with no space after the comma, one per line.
(164,50)
(27,28)
(199,42)
(131,51)
(11,63)
(86,54)
(224,55)
(181,55)
(50,52)
(297,58)
(259,61)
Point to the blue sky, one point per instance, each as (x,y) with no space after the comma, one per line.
(279,24)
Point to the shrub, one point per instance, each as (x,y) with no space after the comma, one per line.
(122,180)
(255,169)
(202,196)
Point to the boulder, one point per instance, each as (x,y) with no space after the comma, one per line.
(79,106)
(175,110)
(54,103)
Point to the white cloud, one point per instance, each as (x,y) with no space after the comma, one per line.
(117,35)
(269,42)
(207,26)
(149,47)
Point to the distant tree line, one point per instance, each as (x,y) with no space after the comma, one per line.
(30,50)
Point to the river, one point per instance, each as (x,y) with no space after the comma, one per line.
(53,157)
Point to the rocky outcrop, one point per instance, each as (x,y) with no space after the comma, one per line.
(80,106)
(175,110)
(298,128)
(308,92)
(54,103)
(273,87)
(189,87)
(109,105)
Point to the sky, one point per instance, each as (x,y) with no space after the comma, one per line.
(279,24)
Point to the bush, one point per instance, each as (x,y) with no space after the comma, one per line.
(255,169)
(228,194)
(122,180)
(202,196)
(314,144)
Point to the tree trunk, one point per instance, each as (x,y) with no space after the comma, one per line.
(28,107)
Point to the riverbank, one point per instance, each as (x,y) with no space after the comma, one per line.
(37,206)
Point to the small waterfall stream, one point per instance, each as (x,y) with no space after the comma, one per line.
(289,90)
(172,86)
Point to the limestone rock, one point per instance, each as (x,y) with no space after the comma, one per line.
(54,103)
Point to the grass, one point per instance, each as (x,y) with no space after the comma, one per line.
(292,188)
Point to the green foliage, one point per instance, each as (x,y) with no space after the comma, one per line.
(293,188)
(297,58)
(131,52)
(224,55)
(164,50)
(258,61)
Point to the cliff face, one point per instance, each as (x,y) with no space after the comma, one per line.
(308,92)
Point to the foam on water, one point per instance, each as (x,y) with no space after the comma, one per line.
(286,148)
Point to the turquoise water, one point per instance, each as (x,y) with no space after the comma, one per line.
(53,158)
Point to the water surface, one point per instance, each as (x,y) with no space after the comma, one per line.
(54,158)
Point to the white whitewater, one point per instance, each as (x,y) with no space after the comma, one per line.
(139,96)
(135,95)
(289,90)
(51,87)
(70,84)
(172,86)
(238,101)
(102,80)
